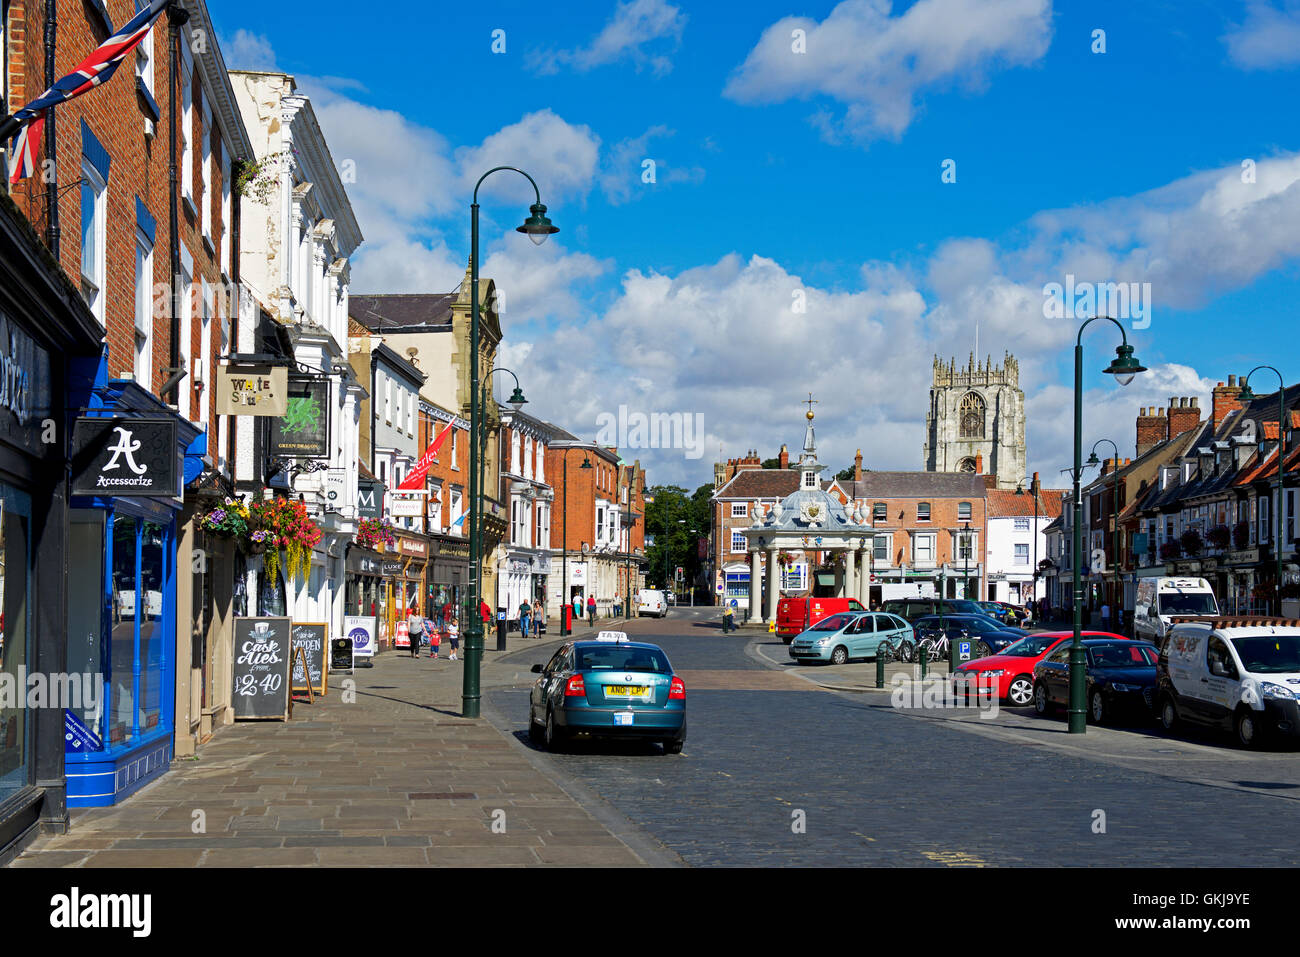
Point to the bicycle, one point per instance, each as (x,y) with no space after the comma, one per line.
(937,645)
(896,649)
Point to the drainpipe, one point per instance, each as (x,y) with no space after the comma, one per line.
(176,18)
(51,149)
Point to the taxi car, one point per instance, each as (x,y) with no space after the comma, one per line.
(609,687)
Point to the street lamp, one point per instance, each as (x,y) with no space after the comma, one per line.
(537,227)
(1123,367)
(965,581)
(1114,495)
(1280,507)
(564,550)
(1033,490)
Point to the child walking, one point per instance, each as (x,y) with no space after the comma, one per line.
(453,635)
(435,639)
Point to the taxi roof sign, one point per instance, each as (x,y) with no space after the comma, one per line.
(612,636)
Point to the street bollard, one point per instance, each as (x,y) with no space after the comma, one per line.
(952,656)
(880,670)
(922,656)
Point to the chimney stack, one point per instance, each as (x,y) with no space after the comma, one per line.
(979,463)
(784,456)
(1152,429)
(1034,486)
(857,466)
(1224,400)
(1184,415)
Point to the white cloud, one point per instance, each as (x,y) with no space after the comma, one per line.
(877,64)
(622,175)
(247,51)
(635,24)
(560,156)
(1270,37)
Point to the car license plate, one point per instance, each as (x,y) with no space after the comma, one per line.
(626,691)
(622,717)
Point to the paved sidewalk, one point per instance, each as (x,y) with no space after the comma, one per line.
(394,777)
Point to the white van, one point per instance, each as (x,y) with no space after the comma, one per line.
(1160,599)
(1236,673)
(651,601)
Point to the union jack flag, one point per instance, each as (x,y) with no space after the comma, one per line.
(95,69)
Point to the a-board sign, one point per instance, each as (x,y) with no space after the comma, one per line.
(402,635)
(261,668)
(313,638)
(361,629)
(341,654)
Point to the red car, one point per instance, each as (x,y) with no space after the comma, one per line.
(1013,669)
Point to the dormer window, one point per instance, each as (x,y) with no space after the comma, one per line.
(809,479)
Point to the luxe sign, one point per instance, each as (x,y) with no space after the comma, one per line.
(116,456)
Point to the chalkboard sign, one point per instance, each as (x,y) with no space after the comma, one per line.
(341,654)
(261,679)
(313,638)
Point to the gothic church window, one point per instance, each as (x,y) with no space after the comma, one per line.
(972,417)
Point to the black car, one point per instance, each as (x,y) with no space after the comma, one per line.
(975,628)
(1120,677)
(914,608)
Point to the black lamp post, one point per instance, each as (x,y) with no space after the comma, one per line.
(1123,367)
(1248,396)
(1033,581)
(564,550)
(966,555)
(536,227)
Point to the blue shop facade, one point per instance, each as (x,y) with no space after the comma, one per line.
(131,456)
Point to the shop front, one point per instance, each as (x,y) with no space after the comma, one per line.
(363,582)
(47,338)
(522,577)
(447,575)
(127,472)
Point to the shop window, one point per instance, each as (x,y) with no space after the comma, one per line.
(271,601)
(122,630)
(152,632)
(15,643)
(86,608)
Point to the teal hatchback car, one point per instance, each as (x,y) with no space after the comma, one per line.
(837,639)
(608,688)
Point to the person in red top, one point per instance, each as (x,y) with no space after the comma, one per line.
(485,611)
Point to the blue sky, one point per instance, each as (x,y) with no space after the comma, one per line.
(817,174)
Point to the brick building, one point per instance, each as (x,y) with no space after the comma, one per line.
(586,524)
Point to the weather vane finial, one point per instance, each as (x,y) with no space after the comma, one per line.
(811,401)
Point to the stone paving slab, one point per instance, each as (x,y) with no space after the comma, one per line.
(391,776)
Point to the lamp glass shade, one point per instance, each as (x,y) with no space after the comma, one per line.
(1124,367)
(517,400)
(537,227)
(1246,395)
(586,463)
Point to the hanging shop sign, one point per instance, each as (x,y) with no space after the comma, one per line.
(390,569)
(370,498)
(125,457)
(24,389)
(303,431)
(313,638)
(406,507)
(252,390)
(261,668)
(411,546)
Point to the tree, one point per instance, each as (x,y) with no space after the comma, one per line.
(772,463)
(669,519)
(845,474)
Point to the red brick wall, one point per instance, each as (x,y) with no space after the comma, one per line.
(585,486)
(139,166)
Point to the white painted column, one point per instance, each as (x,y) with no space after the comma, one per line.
(851,572)
(864,578)
(755,586)
(773,589)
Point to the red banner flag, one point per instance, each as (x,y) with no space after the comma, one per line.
(414,481)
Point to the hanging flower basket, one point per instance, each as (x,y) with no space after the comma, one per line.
(287,529)
(229,520)
(375,534)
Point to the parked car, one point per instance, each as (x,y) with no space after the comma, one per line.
(1020,616)
(995,609)
(1011,670)
(993,633)
(1120,677)
(1238,674)
(840,638)
(609,687)
(798,613)
(914,608)
(651,601)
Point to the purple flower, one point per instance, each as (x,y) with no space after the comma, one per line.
(218,515)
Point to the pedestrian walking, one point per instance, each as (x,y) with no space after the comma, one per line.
(1105,616)
(453,637)
(591,610)
(415,628)
(539,617)
(728,618)
(485,611)
(577,608)
(525,618)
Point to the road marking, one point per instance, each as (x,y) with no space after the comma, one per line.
(955,858)
(863,836)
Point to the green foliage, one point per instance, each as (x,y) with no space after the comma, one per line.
(669,520)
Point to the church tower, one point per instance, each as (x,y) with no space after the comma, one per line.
(976,421)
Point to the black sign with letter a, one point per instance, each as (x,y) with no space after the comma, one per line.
(117,456)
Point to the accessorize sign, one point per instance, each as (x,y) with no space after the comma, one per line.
(252,390)
(117,456)
(261,668)
(303,431)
